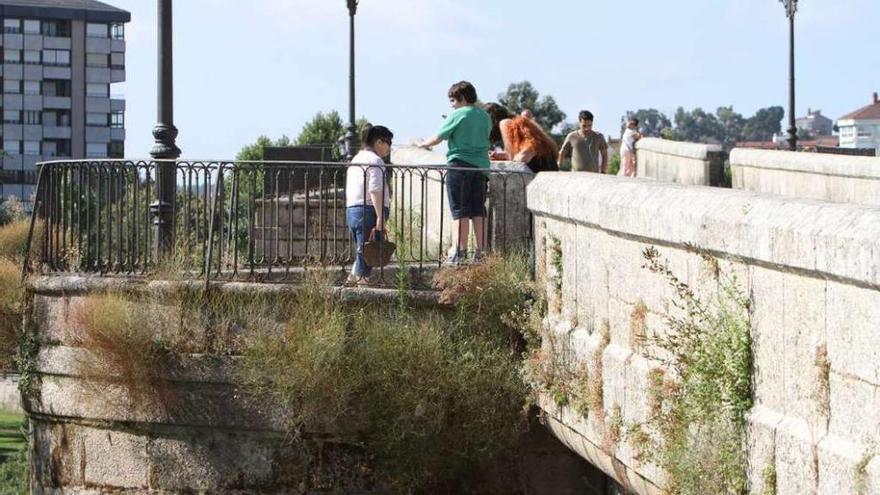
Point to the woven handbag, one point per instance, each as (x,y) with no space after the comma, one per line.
(378,253)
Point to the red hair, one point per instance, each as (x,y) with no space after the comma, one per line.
(522,133)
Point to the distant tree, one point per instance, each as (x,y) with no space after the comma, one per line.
(733,124)
(254,152)
(764,124)
(651,121)
(522,95)
(697,126)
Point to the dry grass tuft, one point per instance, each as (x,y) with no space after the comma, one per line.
(124,349)
(13,240)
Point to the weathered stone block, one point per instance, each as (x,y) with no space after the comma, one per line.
(842,466)
(853,333)
(761,433)
(114,459)
(855,408)
(796,459)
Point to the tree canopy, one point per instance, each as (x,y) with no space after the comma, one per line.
(522,95)
(324,128)
(725,126)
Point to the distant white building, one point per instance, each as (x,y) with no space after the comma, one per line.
(861,128)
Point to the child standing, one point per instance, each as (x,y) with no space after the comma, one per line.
(628,148)
(467,131)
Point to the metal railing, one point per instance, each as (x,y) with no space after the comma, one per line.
(258,221)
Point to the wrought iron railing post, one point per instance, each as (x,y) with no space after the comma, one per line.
(165,150)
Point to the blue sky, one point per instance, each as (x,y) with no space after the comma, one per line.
(246,68)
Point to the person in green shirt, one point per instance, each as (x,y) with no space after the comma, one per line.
(467,131)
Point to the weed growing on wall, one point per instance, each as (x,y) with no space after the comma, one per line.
(124,348)
(701,423)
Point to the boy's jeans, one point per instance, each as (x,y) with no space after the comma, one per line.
(361,220)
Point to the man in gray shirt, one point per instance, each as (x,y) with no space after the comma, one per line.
(585,147)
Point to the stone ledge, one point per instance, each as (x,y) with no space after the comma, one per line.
(678,148)
(826,240)
(859,167)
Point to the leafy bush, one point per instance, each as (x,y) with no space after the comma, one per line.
(701,419)
(13,240)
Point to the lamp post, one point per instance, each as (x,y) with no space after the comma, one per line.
(350,137)
(790,11)
(165,150)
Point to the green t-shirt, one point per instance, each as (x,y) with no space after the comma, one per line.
(467,131)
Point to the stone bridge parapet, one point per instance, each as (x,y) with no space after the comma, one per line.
(811,271)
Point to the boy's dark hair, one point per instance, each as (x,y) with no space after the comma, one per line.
(372,133)
(585,115)
(634,120)
(463,90)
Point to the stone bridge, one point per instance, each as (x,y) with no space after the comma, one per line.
(799,232)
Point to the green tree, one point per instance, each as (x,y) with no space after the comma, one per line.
(697,126)
(733,124)
(522,95)
(765,123)
(327,129)
(254,152)
(651,121)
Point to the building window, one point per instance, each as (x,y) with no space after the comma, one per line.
(12,26)
(60,58)
(31,27)
(96,60)
(11,56)
(32,87)
(95,30)
(12,116)
(56,28)
(56,87)
(50,148)
(116,149)
(117,31)
(56,147)
(32,57)
(98,89)
(12,146)
(31,147)
(32,117)
(96,150)
(96,119)
(117,120)
(11,86)
(117,60)
(865,132)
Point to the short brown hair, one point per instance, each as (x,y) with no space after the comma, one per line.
(463,90)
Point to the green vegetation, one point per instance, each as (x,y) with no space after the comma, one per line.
(432,398)
(701,419)
(13,454)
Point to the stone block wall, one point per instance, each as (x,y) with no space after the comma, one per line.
(680,162)
(838,178)
(201,435)
(812,273)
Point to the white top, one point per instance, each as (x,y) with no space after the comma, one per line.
(369,166)
(628,143)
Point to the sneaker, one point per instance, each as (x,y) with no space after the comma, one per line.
(352,280)
(457,258)
(479,256)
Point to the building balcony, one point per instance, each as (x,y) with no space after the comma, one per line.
(117,104)
(117,134)
(56,102)
(53,72)
(117,75)
(97,134)
(56,132)
(98,104)
(56,43)
(97,75)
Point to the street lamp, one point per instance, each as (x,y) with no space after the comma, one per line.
(790,11)
(350,133)
(165,150)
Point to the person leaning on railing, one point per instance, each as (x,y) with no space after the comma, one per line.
(467,131)
(523,140)
(367,195)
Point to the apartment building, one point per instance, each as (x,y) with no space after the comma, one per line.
(60,61)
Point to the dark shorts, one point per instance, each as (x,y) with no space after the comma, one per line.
(466,191)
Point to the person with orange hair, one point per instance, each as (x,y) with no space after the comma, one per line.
(523,140)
